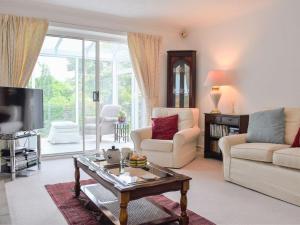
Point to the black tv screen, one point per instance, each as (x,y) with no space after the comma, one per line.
(21,109)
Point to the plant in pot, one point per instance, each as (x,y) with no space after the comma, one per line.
(122,116)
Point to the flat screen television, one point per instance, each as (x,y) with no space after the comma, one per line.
(21,109)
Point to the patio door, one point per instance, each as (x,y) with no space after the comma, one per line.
(58,72)
(66,70)
(80,75)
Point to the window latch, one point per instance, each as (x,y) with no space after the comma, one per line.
(96,96)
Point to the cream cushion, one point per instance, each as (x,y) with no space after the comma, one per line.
(292,124)
(289,157)
(157,145)
(186,116)
(256,151)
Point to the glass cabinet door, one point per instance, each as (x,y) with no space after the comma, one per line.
(181,79)
(181,84)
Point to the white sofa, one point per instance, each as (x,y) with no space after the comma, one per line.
(170,153)
(273,169)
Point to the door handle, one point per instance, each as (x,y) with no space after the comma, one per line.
(96,96)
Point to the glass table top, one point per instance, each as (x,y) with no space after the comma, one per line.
(124,173)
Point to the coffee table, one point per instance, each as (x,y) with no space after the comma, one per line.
(129,184)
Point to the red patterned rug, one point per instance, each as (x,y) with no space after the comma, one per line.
(77,212)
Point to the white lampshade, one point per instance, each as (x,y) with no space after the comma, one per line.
(217,78)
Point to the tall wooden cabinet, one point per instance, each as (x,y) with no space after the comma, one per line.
(181,81)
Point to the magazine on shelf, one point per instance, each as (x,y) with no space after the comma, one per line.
(217,130)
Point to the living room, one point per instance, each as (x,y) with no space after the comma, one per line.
(116,59)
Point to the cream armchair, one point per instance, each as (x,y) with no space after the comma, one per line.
(170,153)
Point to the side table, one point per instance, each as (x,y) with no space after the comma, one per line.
(121,131)
(219,125)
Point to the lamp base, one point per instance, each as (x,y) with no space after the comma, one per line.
(215,111)
(215,95)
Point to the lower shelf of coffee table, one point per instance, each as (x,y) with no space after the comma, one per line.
(140,212)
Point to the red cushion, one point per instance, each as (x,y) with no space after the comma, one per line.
(296,142)
(164,128)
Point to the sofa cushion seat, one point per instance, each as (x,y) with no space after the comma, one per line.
(289,157)
(157,145)
(256,151)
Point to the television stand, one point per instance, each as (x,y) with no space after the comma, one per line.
(12,160)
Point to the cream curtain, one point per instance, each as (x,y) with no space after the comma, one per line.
(145,55)
(21,39)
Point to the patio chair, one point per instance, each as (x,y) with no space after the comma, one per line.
(108,116)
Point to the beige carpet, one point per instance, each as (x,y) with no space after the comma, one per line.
(209,196)
(4,212)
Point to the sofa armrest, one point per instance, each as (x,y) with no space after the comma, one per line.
(226,142)
(139,135)
(185,136)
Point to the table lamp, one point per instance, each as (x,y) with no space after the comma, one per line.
(215,79)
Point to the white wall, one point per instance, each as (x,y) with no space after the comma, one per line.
(262,49)
(104,23)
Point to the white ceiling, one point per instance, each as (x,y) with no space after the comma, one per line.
(177,13)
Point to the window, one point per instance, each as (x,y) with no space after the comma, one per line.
(68,92)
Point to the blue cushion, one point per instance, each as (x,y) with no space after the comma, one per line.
(267,127)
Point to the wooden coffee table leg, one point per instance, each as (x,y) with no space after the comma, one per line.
(184,219)
(123,200)
(77,179)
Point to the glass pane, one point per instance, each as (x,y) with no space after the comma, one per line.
(114,51)
(186,86)
(59,75)
(106,83)
(50,44)
(89,88)
(123,173)
(181,73)
(117,82)
(125,77)
(176,91)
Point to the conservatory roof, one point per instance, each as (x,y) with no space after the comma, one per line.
(70,47)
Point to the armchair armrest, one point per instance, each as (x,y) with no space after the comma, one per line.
(185,136)
(225,143)
(139,135)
